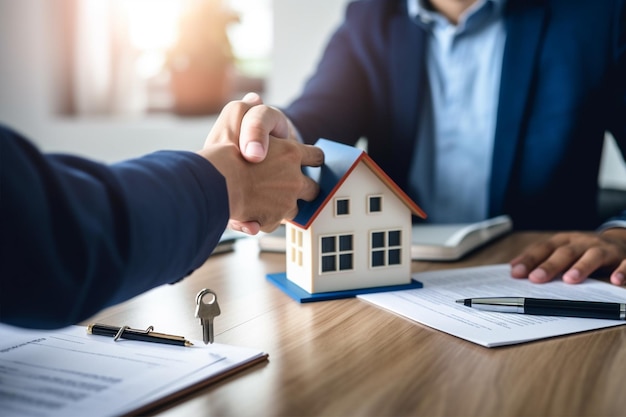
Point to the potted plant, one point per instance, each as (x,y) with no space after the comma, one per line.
(201,62)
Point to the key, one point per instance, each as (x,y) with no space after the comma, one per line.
(206,310)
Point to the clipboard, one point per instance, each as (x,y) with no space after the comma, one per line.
(179,396)
(102,377)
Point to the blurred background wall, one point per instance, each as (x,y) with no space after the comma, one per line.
(86,76)
(52,74)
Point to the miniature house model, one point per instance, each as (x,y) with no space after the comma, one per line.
(357,233)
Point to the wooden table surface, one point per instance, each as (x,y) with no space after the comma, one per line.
(349,358)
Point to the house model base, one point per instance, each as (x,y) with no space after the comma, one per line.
(357,234)
(302,296)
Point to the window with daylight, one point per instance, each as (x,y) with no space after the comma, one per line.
(375,204)
(188,57)
(385,248)
(336,253)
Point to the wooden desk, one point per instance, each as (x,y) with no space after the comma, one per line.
(347,357)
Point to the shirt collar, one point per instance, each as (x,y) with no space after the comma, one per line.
(420,12)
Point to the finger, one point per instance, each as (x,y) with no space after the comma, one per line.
(518,269)
(227,127)
(539,276)
(269,226)
(531,258)
(618,277)
(250,228)
(252,99)
(591,260)
(312,156)
(310,190)
(560,260)
(256,127)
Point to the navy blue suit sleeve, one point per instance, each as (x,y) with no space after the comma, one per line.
(617,117)
(348,96)
(78,236)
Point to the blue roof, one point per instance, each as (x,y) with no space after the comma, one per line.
(339,160)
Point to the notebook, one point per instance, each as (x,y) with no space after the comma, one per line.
(449,242)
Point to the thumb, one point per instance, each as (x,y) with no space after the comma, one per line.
(252,98)
(252,149)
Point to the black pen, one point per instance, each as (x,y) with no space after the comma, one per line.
(126,332)
(547,307)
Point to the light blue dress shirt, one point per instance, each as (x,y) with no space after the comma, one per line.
(451,167)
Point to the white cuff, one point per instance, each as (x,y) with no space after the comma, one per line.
(612,225)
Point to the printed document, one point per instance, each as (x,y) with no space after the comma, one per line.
(70,373)
(435,305)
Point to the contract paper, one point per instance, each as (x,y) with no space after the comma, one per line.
(435,305)
(70,373)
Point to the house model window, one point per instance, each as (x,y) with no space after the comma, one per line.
(336,253)
(375,204)
(342,206)
(386,248)
(357,232)
(296,246)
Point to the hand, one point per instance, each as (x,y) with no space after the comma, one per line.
(261,194)
(576,255)
(258,124)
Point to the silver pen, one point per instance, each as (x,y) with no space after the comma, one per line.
(548,307)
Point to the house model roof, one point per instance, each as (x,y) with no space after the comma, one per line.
(339,161)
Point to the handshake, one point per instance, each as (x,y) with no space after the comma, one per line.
(255,148)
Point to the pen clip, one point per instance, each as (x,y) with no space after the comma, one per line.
(122,329)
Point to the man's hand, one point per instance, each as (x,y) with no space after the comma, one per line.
(260,194)
(258,125)
(575,255)
(254,129)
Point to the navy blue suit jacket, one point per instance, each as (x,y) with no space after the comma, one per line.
(563,85)
(77,236)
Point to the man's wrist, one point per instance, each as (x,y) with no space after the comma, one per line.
(617,234)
